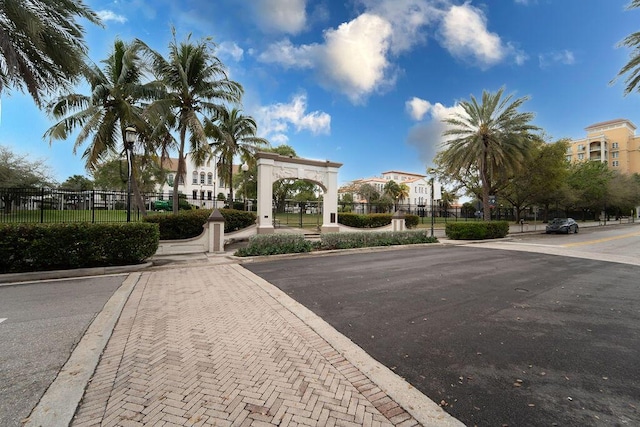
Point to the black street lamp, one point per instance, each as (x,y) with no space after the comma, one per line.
(131,135)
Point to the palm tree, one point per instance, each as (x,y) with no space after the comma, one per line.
(633,66)
(42,46)
(195,80)
(491,137)
(234,135)
(104,115)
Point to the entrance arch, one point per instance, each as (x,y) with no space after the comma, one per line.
(273,167)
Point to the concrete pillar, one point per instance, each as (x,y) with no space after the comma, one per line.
(216,232)
(265,196)
(330,203)
(397,221)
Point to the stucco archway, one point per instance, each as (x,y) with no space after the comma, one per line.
(273,167)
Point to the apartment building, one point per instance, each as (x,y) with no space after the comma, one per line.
(419,187)
(613,142)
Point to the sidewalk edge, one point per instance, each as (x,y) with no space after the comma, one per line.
(58,404)
(423,409)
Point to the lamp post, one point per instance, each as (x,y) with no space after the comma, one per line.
(245,168)
(131,134)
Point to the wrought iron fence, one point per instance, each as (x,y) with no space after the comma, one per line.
(44,205)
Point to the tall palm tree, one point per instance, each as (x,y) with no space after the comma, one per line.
(491,137)
(234,134)
(103,116)
(633,66)
(42,46)
(196,82)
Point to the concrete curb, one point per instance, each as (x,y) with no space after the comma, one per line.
(58,404)
(12,278)
(423,409)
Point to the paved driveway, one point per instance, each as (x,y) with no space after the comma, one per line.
(496,337)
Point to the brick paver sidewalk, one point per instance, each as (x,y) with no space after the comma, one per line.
(204,346)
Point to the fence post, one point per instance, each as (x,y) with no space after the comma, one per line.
(93,206)
(41,205)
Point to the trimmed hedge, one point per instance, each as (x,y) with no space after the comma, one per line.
(474,230)
(373,220)
(273,244)
(40,247)
(187,224)
(383,238)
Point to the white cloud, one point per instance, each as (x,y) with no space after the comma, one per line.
(274,121)
(417,108)
(285,16)
(466,37)
(563,57)
(108,15)
(426,136)
(290,56)
(231,50)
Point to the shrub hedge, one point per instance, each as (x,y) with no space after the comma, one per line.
(187,224)
(382,238)
(373,220)
(273,244)
(477,230)
(40,247)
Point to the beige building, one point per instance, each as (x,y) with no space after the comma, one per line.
(613,142)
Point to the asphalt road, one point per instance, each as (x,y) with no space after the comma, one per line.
(43,323)
(496,337)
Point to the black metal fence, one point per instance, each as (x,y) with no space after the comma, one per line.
(29,205)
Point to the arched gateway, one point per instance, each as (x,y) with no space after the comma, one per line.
(273,167)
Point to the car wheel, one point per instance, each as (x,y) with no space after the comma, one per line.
(576,230)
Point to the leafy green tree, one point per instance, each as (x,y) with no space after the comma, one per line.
(42,45)
(103,116)
(77,183)
(18,173)
(541,178)
(234,135)
(197,85)
(490,138)
(369,193)
(590,182)
(112,175)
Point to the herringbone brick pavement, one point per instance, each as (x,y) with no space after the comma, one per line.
(202,346)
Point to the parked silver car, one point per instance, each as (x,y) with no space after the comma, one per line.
(562,225)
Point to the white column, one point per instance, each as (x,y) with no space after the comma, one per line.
(330,203)
(265,196)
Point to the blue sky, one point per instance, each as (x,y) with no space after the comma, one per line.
(366,82)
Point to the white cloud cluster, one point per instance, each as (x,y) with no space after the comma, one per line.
(285,16)
(109,15)
(230,50)
(426,136)
(563,57)
(357,57)
(274,121)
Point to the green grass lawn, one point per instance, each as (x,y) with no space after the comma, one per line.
(56,216)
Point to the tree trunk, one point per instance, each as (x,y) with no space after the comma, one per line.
(231,183)
(136,189)
(179,172)
(485,186)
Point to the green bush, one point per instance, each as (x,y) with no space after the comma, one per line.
(187,224)
(368,239)
(273,244)
(373,220)
(477,230)
(39,247)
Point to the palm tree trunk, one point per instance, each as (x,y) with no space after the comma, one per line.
(231,183)
(485,185)
(136,189)
(179,172)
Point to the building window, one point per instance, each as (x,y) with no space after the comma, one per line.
(209,178)
(201,177)
(170,179)
(581,156)
(615,154)
(615,163)
(568,158)
(202,195)
(194,179)
(614,145)
(209,195)
(581,147)
(194,195)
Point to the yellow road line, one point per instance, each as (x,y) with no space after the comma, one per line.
(605,239)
